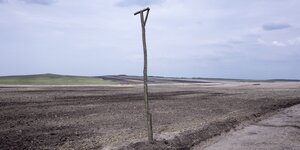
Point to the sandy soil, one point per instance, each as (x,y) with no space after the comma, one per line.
(96,117)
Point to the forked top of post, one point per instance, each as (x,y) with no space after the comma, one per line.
(146,9)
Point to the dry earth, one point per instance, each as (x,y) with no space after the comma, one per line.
(280,131)
(96,117)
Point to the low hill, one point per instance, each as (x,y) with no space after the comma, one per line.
(52,79)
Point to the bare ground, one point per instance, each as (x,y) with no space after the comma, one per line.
(279,131)
(96,117)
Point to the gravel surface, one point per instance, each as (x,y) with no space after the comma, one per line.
(281,131)
(96,117)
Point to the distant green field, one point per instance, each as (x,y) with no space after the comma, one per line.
(52,79)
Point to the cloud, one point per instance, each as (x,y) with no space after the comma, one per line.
(275,26)
(126,3)
(40,2)
(277,43)
(295,41)
(103,37)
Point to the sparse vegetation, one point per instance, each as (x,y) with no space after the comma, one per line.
(52,79)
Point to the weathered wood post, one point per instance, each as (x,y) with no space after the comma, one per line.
(148,114)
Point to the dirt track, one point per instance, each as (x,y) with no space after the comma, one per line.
(280,131)
(95,117)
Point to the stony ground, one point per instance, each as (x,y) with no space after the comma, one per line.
(96,117)
(280,131)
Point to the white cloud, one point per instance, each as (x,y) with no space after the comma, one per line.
(277,43)
(39,2)
(295,41)
(126,3)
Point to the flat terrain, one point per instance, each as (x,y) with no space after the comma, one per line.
(52,79)
(281,131)
(95,117)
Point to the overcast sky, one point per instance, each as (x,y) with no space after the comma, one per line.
(257,39)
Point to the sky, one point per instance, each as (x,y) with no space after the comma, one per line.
(257,39)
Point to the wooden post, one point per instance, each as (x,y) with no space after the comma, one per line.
(148,114)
